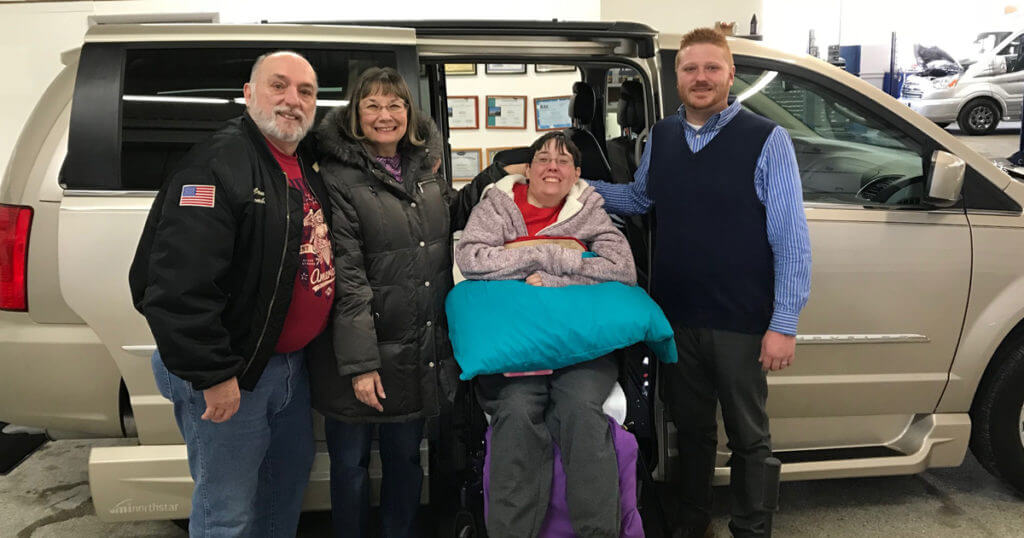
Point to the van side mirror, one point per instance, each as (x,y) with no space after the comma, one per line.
(946,179)
(999,65)
(995,67)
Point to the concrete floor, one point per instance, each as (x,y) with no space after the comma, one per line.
(48,494)
(998,145)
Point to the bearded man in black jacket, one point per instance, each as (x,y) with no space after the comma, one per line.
(235,277)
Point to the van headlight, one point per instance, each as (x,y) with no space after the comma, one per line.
(943,83)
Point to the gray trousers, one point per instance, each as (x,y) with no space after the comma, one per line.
(720,366)
(527,414)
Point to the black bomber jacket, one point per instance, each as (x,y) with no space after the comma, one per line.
(215,283)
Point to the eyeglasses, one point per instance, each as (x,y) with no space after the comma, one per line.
(374,109)
(561,161)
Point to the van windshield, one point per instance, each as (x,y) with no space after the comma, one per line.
(987,41)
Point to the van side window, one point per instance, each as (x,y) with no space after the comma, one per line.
(1013,53)
(846,153)
(174,98)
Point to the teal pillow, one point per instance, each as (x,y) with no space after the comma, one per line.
(499,326)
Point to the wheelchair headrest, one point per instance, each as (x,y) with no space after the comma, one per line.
(631,106)
(583,103)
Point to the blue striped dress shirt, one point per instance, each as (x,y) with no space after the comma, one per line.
(777,182)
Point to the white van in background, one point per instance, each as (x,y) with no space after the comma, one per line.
(989,89)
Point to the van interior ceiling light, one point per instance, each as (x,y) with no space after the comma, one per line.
(15,222)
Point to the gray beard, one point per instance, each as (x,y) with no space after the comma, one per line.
(268,125)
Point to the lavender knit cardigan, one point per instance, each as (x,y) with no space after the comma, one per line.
(481,252)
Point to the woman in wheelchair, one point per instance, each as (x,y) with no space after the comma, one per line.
(548,228)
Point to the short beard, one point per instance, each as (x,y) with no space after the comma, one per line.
(689,105)
(267,123)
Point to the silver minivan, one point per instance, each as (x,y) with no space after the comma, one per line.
(988,90)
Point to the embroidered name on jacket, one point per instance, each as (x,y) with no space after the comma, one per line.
(197,195)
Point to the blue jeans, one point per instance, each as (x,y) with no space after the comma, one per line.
(250,472)
(349,449)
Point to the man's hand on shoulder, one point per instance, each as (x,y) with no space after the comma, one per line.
(222,401)
(519,169)
(777,350)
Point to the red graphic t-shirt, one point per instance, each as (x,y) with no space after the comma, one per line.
(313,294)
(537,218)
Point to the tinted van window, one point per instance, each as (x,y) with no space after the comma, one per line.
(174,98)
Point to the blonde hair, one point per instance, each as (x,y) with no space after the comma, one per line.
(708,36)
(383,81)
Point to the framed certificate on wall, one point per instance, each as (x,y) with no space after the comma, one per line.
(553,68)
(463,112)
(459,69)
(506,112)
(505,69)
(551,113)
(466,163)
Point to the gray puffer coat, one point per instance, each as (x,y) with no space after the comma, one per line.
(393,266)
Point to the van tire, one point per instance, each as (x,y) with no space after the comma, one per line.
(978,117)
(997,415)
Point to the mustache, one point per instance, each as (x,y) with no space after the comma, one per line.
(291,110)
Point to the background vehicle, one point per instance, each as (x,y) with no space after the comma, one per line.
(989,89)
(912,335)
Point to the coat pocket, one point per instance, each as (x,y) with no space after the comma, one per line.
(392,314)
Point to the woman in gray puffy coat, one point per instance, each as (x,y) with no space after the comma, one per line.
(536,228)
(392,220)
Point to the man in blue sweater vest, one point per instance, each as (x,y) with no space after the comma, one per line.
(731,269)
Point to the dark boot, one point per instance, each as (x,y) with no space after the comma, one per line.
(755,490)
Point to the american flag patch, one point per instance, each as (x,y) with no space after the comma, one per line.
(197,195)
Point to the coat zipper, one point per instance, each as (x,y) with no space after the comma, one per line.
(280,269)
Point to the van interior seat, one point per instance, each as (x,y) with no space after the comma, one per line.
(582,108)
(621,149)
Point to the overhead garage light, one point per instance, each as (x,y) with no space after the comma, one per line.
(319,102)
(215,100)
(171,99)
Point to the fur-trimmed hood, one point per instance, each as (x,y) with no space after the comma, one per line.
(388,238)
(336,140)
(579,195)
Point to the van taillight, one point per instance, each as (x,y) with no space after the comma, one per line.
(15,222)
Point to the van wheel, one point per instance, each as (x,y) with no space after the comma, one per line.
(997,434)
(979,117)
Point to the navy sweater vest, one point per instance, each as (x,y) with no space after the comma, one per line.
(713,266)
